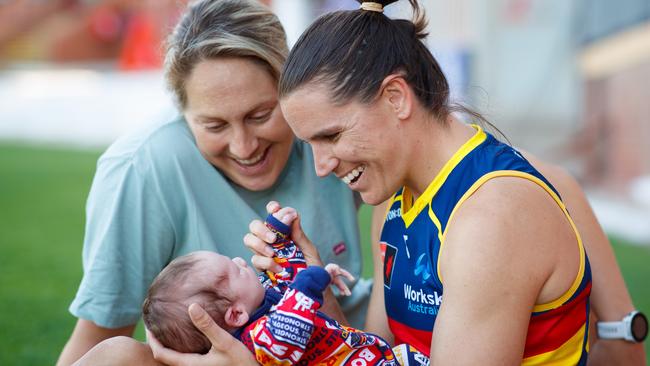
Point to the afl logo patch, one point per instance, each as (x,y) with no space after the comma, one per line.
(389,253)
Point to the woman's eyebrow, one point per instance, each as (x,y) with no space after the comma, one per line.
(328,131)
(207,119)
(268,103)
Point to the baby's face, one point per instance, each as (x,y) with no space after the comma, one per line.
(233,276)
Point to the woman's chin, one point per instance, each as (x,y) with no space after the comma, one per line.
(257,183)
(373,199)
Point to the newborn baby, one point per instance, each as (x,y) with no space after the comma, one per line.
(275,315)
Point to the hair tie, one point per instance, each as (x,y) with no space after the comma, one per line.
(372,6)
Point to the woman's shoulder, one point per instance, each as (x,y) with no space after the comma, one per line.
(151,143)
(160,151)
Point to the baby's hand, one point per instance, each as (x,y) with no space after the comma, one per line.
(260,236)
(286,215)
(335,272)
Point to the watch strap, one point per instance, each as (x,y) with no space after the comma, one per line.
(613,330)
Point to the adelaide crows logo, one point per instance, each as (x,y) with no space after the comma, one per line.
(389,253)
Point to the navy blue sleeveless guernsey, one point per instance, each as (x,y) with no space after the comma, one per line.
(414,232)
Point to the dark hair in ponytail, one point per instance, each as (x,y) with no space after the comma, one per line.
(353,51)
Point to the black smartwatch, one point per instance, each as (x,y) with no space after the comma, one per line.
(633,328)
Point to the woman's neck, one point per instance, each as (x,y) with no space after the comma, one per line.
(434,143)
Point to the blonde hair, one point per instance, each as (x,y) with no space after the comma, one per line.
(211,29)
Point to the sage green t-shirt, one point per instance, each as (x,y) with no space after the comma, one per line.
(154,198)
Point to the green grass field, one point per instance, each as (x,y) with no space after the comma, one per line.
(42,199)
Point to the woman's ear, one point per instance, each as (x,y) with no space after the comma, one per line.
(396,91)
(236,316)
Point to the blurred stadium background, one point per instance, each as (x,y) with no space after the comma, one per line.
(567,80)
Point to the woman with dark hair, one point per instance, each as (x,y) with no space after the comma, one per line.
(480,245)
(470,220)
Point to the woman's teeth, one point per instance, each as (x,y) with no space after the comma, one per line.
(351,176)
(252,161)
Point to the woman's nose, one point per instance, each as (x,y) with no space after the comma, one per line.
(324,161)
(244,144)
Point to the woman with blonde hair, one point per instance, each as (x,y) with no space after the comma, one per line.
(195,182)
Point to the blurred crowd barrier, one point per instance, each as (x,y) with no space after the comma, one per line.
(128,32)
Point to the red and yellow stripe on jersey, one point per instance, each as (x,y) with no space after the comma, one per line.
(414,233)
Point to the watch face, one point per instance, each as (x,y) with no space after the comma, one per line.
(639,327)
